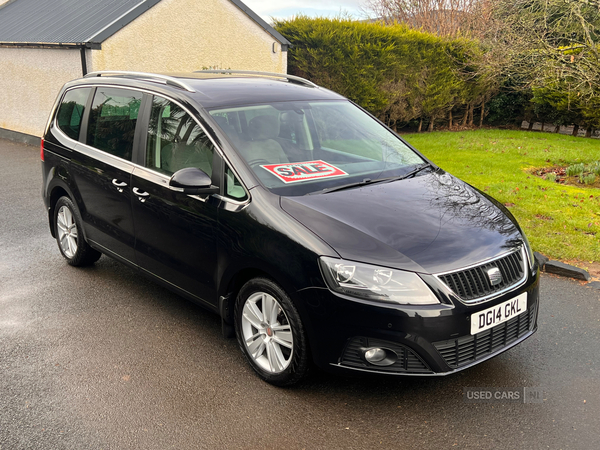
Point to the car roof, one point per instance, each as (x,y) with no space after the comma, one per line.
(214,89)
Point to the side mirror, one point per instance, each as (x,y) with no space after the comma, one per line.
(193,181)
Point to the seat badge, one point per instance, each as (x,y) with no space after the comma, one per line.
(495,276)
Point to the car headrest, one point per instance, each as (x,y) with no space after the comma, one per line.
(264,127)
(221,121)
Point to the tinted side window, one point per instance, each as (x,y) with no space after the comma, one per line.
(70,111)
(175,140)
(113,118)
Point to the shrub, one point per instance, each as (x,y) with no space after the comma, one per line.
(396,73)
(508,107)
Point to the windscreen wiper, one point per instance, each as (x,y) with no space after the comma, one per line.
(412,173)
(344,186)
(368,181)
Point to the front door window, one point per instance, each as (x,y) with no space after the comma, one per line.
(175,140)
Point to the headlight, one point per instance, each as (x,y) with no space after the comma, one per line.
(375,283)
(529,251)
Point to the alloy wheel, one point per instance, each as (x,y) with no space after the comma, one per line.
(67,231)
(267,333)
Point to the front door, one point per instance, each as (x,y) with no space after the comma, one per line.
(175,232)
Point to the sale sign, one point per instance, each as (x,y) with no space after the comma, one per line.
(304,171)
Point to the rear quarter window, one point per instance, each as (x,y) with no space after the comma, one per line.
(70,111)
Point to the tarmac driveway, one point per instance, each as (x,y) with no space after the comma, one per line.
(100,358)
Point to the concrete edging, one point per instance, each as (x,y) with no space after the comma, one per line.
(21,138)
(561,269)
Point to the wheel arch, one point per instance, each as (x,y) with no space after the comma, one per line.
(232,283)
(57,190)
(230,289)
(56,193)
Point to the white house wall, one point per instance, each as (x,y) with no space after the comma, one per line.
(29,82)
(187,35)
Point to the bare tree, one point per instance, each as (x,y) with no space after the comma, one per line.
(442,17)
(551,42)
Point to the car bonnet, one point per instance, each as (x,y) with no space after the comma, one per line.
(431,223)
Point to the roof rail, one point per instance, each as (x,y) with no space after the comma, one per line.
(151,76)
(291,78)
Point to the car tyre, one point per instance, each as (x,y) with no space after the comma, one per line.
(69,235)
(270,333)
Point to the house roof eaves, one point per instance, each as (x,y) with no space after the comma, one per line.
(63,45)
(121,22)
(268,28)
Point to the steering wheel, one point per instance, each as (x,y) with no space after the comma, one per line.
(258,162)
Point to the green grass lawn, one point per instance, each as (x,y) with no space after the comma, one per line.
(562,222)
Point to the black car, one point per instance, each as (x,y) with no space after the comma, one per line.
(313,231)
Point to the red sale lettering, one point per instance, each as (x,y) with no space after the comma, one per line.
(285,171)
(304,171)
(320,168)
(299,170)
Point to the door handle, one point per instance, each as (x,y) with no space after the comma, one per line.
(119,184)
(142,195)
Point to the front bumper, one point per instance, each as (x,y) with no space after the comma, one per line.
(432,340)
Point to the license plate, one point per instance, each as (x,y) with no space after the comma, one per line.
(489,318)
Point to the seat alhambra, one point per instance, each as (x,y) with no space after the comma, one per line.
(315,233)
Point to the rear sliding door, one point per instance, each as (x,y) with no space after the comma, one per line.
(102,168)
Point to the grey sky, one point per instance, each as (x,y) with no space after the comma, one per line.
(283,10)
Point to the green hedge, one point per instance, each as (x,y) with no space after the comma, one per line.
(396,73)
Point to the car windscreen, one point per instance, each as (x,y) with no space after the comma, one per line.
(297,148)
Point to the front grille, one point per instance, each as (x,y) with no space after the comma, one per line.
(408,361)
(474,283)
(466,349)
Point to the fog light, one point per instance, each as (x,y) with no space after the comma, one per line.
(375,355)
(380,356)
